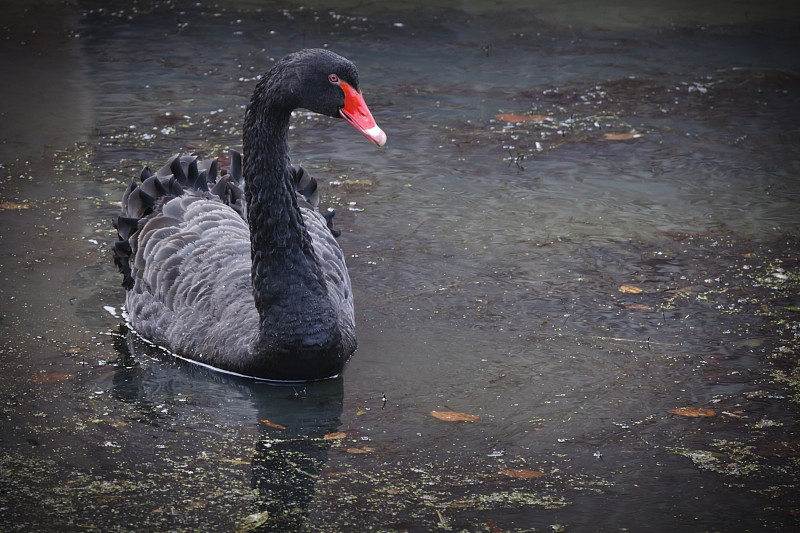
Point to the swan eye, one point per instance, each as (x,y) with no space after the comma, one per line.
(333,78)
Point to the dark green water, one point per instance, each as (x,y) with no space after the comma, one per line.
(541,158)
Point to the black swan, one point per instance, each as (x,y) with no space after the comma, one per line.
(241,272)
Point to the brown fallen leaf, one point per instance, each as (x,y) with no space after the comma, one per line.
(272,424)
(751,343)
(14,205)
(51,377)
(493,528)
(693,412)
(614,136)
(452,416)
(630,289)
(639,306)
(365,449)
(334,436)
(522,473)
(513,117)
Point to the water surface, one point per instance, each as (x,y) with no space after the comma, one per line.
(583,219)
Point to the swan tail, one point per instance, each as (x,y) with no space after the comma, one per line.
(329,222)
(147,197)
(180,174)
(307,186)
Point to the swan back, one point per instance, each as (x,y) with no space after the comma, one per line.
(184,250)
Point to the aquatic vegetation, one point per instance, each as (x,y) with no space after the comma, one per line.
(574,233)
(730,458)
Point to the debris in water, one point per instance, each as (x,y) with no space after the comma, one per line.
(630,289)
(51,377)
(252,521)
(14,205)
(522,473)
(513,117)
(272,424)
(614,136)
(452,416)
(356,451)
(694,412)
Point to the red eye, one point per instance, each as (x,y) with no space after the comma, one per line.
(333,78)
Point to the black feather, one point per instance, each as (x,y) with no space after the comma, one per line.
(236,166)
(153,187)
(177,170)
(126,226)
(140,203)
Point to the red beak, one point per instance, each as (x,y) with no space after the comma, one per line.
(356,112)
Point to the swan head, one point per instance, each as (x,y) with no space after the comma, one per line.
(327,83)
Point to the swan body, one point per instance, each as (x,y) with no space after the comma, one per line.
(239,270)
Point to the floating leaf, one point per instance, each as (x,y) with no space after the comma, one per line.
(751,343)
(630,289)
(365,449)
(252,522)
(733,414)
(14,205)
(612,136)
(513,117)
(493,528)
(641,307)
(51,377)
(452,416)
(693,412)
(522,473)
(334,436)
(272,424)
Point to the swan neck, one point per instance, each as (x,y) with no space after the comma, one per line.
(288,285)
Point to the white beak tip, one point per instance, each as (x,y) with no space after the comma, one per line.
(376,135)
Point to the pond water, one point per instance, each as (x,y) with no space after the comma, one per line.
(582,231)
